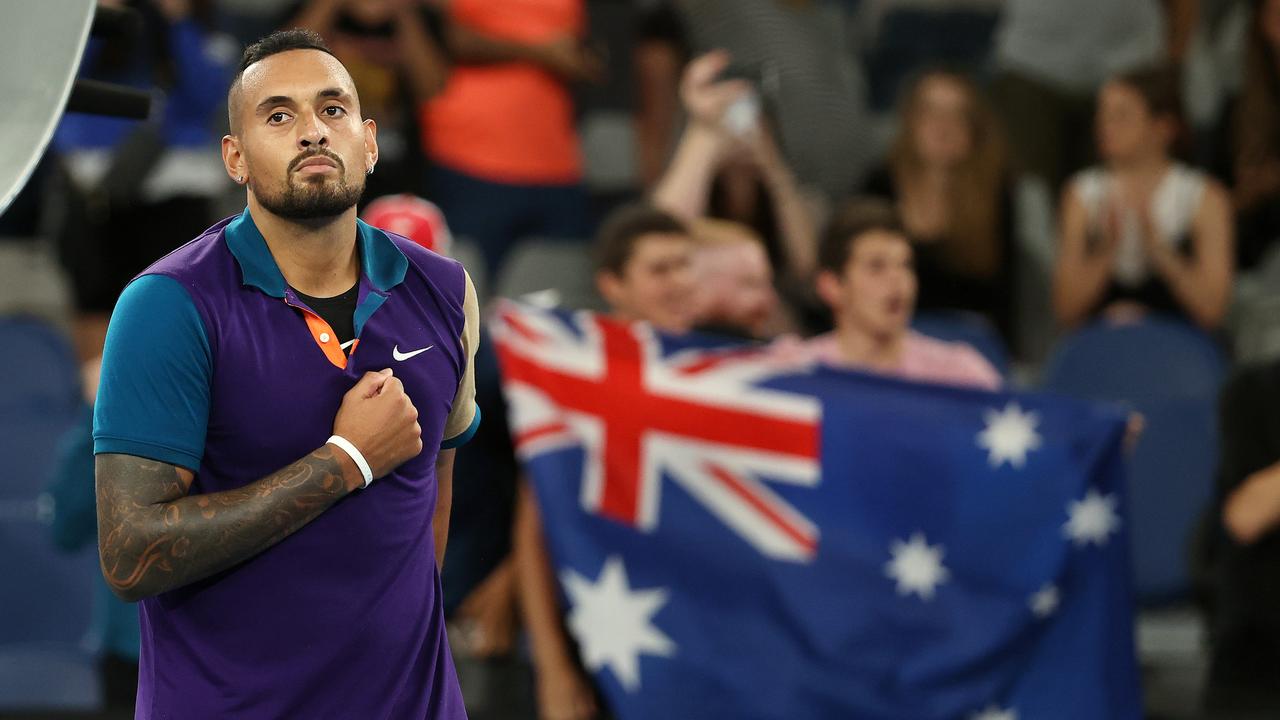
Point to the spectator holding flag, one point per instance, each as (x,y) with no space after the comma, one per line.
(868,279)
(736,297)
(644,260)
(644,268)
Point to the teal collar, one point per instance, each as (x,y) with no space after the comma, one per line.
(381,261)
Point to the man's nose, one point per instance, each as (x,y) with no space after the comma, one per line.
(311,132)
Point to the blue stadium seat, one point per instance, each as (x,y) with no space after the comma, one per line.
(45,599)
(47,677)
(1171,373)
(965,327)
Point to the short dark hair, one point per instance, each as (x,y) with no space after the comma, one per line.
(278,42)
(624,227)
(855,219)
(273,44)
(1160,87)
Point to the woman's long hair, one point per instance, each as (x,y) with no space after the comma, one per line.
(972,242)
(1257,119)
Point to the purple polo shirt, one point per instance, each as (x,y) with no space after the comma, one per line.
(212,363)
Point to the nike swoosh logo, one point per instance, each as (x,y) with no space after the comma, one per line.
(401,357)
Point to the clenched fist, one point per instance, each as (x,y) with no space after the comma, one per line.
(380,420)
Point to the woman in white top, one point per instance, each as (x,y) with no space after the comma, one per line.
(1143,232)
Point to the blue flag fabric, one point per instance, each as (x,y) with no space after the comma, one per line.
(927,552)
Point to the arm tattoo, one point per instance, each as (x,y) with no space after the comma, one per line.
(153,537)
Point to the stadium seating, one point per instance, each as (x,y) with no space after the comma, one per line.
(1255,312)
(556,272)
(1036,234)
(47,677)
(1171,373)
(965,327)
(46,596)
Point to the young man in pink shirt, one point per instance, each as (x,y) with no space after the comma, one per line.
(867,277)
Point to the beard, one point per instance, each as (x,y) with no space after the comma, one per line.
(311,199)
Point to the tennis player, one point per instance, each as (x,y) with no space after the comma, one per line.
(274,429)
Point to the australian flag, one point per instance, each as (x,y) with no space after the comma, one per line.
(741,535)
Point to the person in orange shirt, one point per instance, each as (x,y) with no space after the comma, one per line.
(501,138)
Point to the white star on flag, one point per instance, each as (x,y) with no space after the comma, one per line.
(1044,602)
(1091,520)
(994,713)
(1010,434)
(613,623)
(917,566)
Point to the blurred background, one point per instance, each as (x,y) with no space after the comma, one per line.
(1046,158)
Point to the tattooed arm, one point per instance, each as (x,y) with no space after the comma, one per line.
(154,537)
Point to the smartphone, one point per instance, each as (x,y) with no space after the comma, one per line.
(743,115)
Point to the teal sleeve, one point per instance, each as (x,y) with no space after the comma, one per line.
(75,513)
(153,396)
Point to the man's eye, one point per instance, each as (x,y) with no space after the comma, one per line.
(277,117)
(337,111)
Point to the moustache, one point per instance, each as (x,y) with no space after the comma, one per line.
(307,155)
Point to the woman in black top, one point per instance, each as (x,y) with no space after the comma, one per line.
(947,174)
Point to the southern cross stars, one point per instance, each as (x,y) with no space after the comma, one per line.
(995,713)
(917,566)
(1044,602)
(1092,520)
(1010,434)
(613,623)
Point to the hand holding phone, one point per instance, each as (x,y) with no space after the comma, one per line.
(706,97)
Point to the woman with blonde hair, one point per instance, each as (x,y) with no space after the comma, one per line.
(947,176)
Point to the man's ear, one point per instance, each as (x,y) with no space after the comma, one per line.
(610,287)
(370,144)
(828,286)
(233,159)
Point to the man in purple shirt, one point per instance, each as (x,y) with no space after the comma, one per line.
(274,430)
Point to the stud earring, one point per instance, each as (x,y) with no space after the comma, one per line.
(240,178)
(369,171)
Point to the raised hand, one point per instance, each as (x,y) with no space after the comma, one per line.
(705,97)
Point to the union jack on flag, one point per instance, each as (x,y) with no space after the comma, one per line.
(641,412)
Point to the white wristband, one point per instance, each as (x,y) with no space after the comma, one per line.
(356,457)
